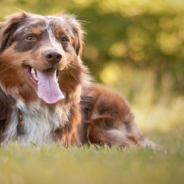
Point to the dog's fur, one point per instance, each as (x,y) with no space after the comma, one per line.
(89,112)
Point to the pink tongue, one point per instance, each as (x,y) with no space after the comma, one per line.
(48,88)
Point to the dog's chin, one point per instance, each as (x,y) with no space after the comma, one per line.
(45,83)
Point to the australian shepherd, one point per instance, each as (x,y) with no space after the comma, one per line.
(46,92)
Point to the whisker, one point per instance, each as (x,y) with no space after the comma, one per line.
(69,77)
(72,63)
(15,65)
(74,77)
(7,68)
(74,67)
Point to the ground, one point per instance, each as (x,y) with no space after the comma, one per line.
(96,164)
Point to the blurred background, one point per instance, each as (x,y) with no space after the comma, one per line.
(133,46)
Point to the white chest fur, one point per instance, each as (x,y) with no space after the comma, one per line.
(39,122)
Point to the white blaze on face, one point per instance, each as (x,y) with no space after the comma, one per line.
(50,32)
(51,37)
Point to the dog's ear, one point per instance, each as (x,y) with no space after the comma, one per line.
(8,27)
(79,34)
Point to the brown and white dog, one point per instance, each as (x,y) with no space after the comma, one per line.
(46,95)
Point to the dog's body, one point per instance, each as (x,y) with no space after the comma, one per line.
(46,95)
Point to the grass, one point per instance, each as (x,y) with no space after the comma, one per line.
(97,165)
(162,123)
(59,165)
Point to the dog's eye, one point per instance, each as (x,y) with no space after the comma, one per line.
(64,39)
(30,38)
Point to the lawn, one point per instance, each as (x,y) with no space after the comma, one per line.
(161,123)
(97,165)
(58,165)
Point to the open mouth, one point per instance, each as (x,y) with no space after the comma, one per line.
(32,74)
(46,82)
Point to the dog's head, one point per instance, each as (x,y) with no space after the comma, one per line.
(40,57)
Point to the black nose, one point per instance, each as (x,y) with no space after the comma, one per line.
(53,56)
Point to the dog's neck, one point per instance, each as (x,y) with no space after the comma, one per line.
(39,122)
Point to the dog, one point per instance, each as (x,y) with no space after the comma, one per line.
(46,92)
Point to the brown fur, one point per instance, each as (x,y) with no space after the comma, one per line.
(96,114)
(109,118)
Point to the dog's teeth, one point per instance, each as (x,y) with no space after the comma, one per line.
(57,75)
(32,71)
(35,77)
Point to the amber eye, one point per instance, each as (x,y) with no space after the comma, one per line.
(64,39)
(30,38)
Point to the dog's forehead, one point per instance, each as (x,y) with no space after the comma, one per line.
(43,22)
(55,19)
(47,20)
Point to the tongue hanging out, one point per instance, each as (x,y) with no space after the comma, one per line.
(48,88)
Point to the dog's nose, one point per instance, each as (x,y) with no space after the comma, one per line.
(53,56)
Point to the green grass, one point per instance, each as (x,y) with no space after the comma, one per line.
(97,165)
(56,165)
